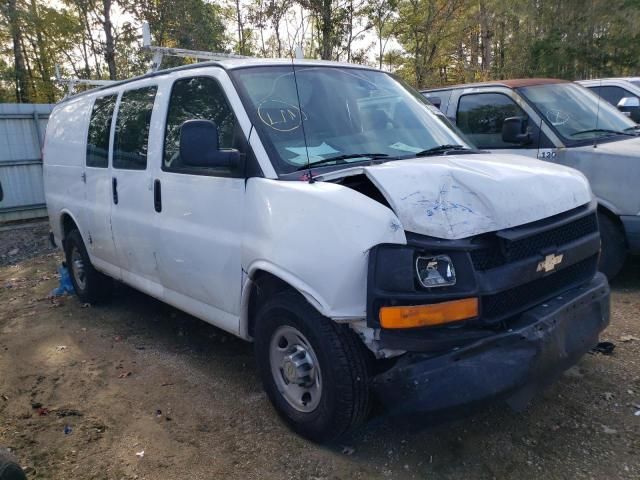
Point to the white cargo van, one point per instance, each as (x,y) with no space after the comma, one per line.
(323,212)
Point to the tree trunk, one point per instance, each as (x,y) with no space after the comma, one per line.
(110,50)
(23,92)
(240,29)
(43,63)
(327,30)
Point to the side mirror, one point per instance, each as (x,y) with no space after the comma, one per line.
(514,130)
(199,146)
(630,106)
(437,101)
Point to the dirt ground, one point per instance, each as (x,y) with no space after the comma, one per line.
(84,390)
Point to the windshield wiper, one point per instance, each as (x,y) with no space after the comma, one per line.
(635,127)
(340,159)
(442,149)
(603,130)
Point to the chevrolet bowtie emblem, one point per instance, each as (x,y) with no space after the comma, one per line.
(549,263)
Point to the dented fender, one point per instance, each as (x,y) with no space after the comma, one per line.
(316,237)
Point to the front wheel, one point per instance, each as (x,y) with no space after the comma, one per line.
(614,248)
(315,372)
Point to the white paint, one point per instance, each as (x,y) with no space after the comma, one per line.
(459,196)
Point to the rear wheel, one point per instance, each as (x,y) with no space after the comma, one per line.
(315,372)
(90,285)
(614,248)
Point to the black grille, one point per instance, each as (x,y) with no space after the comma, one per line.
(518,299)
(505,251)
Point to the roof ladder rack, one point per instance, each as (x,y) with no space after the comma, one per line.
(72,83)
(160,52)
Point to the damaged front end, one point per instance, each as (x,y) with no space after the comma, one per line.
(540,305)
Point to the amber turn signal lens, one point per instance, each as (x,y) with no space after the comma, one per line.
(428,315)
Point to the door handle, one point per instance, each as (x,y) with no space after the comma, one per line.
(157,196)
(114,185)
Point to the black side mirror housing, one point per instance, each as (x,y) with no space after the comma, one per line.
(437,101)
(514,130)
(199,147)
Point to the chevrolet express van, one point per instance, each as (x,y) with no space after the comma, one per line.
(623,93)
(563,123)
(320,210)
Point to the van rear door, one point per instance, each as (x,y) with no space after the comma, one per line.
(97,179)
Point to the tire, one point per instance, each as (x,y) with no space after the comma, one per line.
(340,361)
(90,285)
(614,247)
(9,469)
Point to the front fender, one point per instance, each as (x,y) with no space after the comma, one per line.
(316,237)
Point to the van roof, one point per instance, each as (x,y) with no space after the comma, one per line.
(227,64)
(513,83)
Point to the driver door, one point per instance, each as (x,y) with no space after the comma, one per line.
(200,211)
(480,117)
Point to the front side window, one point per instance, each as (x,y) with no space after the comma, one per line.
(576,113)
(99,130)
(337,116)
(197,98)
(611,94)
(481,115)
(132,129)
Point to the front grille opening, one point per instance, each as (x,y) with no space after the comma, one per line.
(504,251)
(515,300)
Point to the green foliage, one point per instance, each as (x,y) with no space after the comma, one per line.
(428,42)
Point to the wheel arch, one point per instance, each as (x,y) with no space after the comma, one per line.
(263,281)
(606,209)
(67,223)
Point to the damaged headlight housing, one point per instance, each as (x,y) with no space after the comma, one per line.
(435,271)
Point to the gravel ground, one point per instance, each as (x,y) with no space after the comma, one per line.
(85,391)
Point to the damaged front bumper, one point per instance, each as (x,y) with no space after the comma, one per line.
(513,365)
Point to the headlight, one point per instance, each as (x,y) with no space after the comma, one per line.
(435,271)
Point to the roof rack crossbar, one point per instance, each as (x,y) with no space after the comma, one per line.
(160,52)
(72,83)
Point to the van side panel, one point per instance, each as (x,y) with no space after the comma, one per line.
(316,237)
(63,169)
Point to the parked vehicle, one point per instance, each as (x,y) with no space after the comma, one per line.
(563,123)
(321,211)
(623,93)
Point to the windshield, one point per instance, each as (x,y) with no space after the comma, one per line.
(575,112)
(349,114)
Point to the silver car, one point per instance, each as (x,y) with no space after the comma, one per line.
(565,123)
(623,92)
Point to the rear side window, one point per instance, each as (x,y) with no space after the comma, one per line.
(197,98)
(99,129)
(132,129)
(480,117)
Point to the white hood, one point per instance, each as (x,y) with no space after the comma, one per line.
(458,196)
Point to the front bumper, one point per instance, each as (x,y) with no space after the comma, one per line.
(541,343)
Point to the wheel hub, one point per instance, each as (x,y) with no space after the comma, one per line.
(297,366)
(77,268)
(295,369)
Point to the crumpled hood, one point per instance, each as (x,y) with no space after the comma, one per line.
(458,196)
